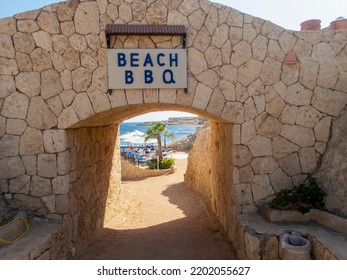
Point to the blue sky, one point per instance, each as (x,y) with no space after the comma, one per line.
(288,14)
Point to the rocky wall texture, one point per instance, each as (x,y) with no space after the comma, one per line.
(53,76)
(94,180)
(332,175)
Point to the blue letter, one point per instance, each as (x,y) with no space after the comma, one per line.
(121,60)
(158,59)
(134,59)
(148,60)
(129,78)
(174,59)
(148,77)
(171,77)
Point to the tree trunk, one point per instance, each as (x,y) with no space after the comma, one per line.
(160,154)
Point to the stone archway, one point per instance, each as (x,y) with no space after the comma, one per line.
(55,107)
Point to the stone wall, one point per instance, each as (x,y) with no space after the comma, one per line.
(94,180)
(53,77)
(332,175)
(132,172)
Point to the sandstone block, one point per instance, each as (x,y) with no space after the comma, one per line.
(31,142)
(55,141)
(248,132)
(156,13)
(28,83)
(11,167)
(63,162)
(241,156)
(228,90)
(37,109)
(8,66)
(260,146)
(87,18)
(308,116)
(308,160)
(209,78)
(8,26)
(67,118)
(47,165)
(233,112)
(82,106)
(259,47)
(202,96)
(23,42)
(211,21)
(216,103)
(55,105)
(289,114)
(197,19)
(61,184)
(40,186)
(30,164)
(176,17)
(43,40)
(329,101)
(220,36)
(15,126)
(280,180)
(271,71)
(49,22)
(327,76)
(242,53)
(249,72)
(31,204)
(89,59)
(9,145)
(213,57)
(271,249)
(308,73)
(7,86)
(60,43)
(297,95)
(49,203)
(20,184)
(261,187)
(270,128)
(66,80)
(100,78)
(41,60)
(249,33)
(290,164)
(299,135)
(67,28)
(15,106)
(197,61)
(252,246)
(264,165)
(322,129)
(2,126)
(246,174)
(51,83)
(98,99)
(275,107)
(62,204)
(6,46)
(281,147)
(243,194)
(81,79)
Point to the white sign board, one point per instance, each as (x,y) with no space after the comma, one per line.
(147,68)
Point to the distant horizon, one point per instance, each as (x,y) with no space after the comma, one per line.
(160,116)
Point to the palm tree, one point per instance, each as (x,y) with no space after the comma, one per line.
(155,131)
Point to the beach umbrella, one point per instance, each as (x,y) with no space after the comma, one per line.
(135,139)
(131,134)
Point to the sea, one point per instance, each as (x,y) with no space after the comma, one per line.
(180,131)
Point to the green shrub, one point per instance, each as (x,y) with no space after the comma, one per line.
(303,197)
(166,163)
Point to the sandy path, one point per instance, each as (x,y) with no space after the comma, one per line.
(160,218)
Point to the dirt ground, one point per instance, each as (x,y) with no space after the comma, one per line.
(160,218)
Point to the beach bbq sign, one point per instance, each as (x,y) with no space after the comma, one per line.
(147,68)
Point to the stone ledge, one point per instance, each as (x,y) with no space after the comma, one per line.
(45,240)
(323,218)
(326,243)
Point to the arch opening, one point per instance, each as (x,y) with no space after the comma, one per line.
(95,177)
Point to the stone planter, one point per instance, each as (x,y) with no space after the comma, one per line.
(312,24)
(14,229)
(338,24)
(321,217)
